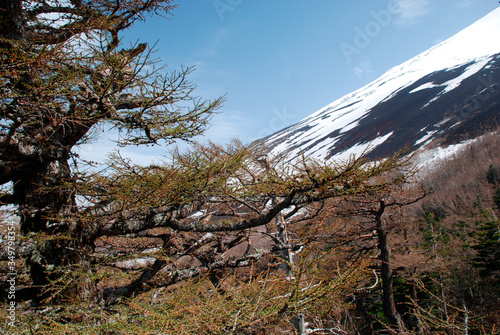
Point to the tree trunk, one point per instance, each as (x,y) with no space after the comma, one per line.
(285,253)
(42,193)
(414,321)
(300,324)
(367,328)
(11,19)
(388,304)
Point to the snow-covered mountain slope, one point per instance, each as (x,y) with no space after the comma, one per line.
(450,92)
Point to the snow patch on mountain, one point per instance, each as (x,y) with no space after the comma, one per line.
(424,87)
(430,160)
(455,82)
(456,59)
(426,138)
(360,149)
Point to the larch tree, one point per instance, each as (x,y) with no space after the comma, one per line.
(64,73)
(380,213)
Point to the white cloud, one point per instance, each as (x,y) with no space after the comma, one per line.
(229,125)
(98,152)
(104,143)
(409,11)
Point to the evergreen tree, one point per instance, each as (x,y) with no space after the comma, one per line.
(496,198)
(488,249)
(492,175)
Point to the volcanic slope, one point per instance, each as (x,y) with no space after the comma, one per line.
(447,94)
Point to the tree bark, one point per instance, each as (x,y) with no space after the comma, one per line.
(388,304)
(11,19)
(367,328)
(285,253)
(42,193)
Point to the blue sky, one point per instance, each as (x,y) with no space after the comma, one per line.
(279,61)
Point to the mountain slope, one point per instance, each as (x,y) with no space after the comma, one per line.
(449,92)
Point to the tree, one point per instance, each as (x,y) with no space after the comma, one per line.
(496,198)
(492,175)
(380,213)
(64,74)
(488,249)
